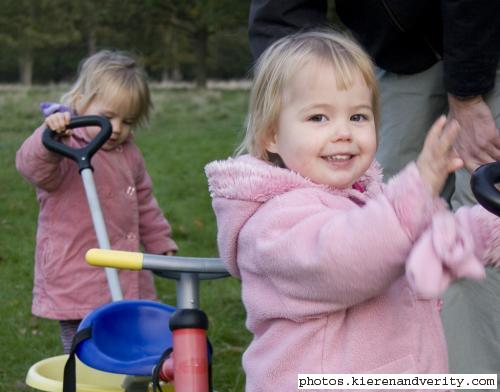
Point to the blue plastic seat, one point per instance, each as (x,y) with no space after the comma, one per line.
(128,337)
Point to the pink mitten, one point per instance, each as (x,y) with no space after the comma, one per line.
(444,253)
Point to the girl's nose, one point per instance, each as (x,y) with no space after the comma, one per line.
(341,132)
(116,124)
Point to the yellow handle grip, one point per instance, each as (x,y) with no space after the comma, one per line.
(115,259)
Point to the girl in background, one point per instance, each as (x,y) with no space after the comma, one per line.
(66,288)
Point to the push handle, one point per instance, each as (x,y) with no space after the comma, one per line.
(115,259)
(81,156)
(136,261)
(483,182)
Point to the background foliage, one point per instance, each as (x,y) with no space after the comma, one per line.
(43,40)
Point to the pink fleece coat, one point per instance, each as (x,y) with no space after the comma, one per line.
(323,272)
(65,286)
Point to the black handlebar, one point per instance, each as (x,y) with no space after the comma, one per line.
(82,155)
(483,182)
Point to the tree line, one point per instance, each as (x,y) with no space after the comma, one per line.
(43,41)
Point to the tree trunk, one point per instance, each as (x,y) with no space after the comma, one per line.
(175,68)
(26,67)
(170,64)
(201,45)
(92,42)
(176,73)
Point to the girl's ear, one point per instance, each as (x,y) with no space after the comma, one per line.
(271,144)
(78,103)
(82,103)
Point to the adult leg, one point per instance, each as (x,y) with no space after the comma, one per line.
(471,311)
(409,106)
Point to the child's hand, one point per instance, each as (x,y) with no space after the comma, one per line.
(437,158)
(170,253)
(58,122)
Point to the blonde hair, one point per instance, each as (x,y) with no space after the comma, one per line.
(116,77)
(276,67)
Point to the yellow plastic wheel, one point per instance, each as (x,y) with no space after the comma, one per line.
(47,375)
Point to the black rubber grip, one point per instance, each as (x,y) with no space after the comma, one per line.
(81,156)
(483,182)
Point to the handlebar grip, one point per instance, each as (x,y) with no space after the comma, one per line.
(115,259)
(81,156)
(483,182)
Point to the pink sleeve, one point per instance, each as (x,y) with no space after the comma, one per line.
(485,228)
(333,257)
(455,246)
(154,229)
(37,164)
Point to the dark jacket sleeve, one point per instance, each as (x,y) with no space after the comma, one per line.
(471,45)
(269,20)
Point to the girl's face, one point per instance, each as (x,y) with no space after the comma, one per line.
(325,134)
(120,122)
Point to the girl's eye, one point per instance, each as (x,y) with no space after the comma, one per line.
(318,118)
(359,117)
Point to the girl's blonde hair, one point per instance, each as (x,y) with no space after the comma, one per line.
(281,61)
(115,77)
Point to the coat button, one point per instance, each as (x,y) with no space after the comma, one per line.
(130,191)
(131,236)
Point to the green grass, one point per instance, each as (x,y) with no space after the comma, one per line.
(188,129)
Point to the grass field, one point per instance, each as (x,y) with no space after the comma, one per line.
(188,129)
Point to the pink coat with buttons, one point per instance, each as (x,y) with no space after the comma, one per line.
(323,270)
(65,286)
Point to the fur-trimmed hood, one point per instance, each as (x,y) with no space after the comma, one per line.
(239,186)
(251,179)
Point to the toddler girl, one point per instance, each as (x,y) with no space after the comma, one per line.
(66,288)
(319,242)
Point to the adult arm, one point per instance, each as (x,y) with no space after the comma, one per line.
(269,20)
(471,46)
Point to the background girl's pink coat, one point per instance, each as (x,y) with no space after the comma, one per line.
(65,286)
(323,279)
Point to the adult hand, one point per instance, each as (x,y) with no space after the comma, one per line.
(478,141)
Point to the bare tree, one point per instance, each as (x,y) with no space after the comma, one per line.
(198,20)
(30,25)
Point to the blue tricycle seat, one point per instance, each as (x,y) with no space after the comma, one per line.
(127,337)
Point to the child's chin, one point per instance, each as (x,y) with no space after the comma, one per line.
(108,147)
(342,184)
